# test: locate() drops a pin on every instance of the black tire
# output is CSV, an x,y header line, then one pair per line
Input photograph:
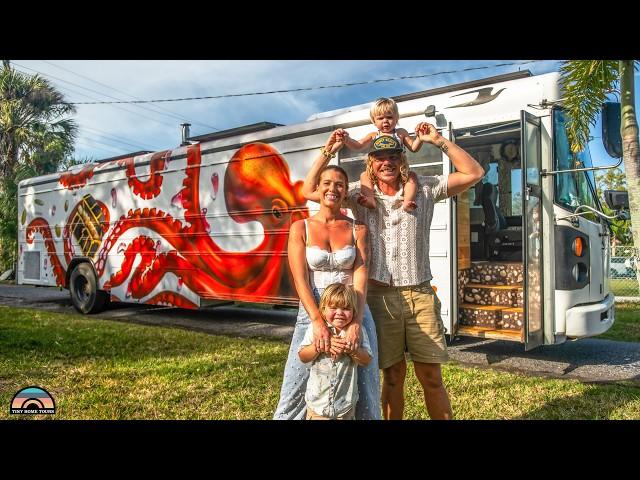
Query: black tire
x,y
83,286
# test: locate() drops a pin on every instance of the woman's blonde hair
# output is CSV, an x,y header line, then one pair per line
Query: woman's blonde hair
x,y
384,106
404,169
339,295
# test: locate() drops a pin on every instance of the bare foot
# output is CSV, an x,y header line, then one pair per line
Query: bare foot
x,y
409,206
365,201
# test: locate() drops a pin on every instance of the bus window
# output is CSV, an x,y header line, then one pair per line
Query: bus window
x,y
426,161
353,165
571,188
516,191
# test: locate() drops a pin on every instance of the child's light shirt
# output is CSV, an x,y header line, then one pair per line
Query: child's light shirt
x,y
332,388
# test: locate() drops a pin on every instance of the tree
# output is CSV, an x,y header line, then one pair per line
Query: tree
x,y
36,134
34,121
586,84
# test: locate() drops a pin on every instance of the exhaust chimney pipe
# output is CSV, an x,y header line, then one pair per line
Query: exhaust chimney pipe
x,y
185,134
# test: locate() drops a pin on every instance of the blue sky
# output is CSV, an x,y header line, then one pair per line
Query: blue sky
x,y
109,130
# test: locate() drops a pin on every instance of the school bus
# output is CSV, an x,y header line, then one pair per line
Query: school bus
x,y
522,256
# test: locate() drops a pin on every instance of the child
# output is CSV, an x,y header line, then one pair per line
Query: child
x,y
332,388
384,114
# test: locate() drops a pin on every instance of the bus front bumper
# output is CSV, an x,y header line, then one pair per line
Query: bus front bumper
x,y
592,319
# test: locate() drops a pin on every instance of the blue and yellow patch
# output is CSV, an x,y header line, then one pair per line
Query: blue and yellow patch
x,y
386,143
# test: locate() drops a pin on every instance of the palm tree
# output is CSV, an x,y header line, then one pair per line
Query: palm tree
x,y
33,120
35,135
586,84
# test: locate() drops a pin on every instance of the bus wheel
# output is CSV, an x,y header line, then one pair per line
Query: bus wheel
x,y
83,285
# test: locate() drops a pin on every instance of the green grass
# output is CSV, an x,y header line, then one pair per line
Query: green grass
x,y
99,369
626,327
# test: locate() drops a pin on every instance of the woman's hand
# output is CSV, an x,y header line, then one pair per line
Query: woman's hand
x,y
353,336
321,337
338,347
336,140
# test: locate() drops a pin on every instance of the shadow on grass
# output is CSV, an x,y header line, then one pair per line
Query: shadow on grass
x,y
33,337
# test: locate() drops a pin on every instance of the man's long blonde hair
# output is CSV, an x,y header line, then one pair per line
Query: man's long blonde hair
x,y
404,169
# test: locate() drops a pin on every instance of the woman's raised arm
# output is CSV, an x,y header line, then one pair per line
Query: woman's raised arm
x,y
334,143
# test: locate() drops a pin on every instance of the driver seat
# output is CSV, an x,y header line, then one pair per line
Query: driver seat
x,y
502,242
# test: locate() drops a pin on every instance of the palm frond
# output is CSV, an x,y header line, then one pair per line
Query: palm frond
x,y
586,84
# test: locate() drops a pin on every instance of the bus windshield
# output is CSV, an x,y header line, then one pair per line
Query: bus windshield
x,y
572,188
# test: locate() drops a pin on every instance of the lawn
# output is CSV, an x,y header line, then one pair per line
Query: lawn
x,y
99,369
626,327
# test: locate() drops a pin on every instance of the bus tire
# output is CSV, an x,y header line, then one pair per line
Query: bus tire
x,y
83,286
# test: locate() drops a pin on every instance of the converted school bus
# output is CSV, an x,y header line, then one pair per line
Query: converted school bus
x,y
208,221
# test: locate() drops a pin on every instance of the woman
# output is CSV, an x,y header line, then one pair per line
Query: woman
x,y
326,248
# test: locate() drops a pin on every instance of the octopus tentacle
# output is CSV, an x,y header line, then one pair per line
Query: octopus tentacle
x,y
171,298
141,245
146,278
40,225
156,220
72,181
150,188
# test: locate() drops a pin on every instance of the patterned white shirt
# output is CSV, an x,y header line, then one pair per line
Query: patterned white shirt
x,y
399,240
332,388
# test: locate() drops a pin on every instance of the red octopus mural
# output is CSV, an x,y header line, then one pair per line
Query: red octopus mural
x,y
257,187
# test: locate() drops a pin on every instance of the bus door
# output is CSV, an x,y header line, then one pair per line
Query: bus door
x,y
532,230
432,161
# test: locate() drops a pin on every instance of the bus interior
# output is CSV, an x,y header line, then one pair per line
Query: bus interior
x,y
490,269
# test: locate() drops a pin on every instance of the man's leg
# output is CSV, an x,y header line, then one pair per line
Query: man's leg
x,y
393,391
435,395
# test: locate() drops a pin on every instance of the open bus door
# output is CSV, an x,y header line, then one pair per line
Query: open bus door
x,y
532,230
442,234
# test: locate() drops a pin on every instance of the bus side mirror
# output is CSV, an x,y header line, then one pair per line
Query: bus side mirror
x,y
616,199
611,137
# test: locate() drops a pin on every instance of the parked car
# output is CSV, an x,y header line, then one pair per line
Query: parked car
x,y
617,267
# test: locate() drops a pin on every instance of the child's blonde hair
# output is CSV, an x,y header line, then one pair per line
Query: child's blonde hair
x,y
339,295
383,106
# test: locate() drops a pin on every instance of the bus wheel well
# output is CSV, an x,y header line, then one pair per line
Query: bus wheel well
x,y
86,297
74,263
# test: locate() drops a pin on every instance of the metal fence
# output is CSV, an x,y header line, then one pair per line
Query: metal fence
x,y
623,278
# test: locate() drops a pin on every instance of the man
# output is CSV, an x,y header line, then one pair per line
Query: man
x,y
404,306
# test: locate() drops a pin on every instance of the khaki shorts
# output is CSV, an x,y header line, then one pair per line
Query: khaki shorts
x,y
311,415
407,320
